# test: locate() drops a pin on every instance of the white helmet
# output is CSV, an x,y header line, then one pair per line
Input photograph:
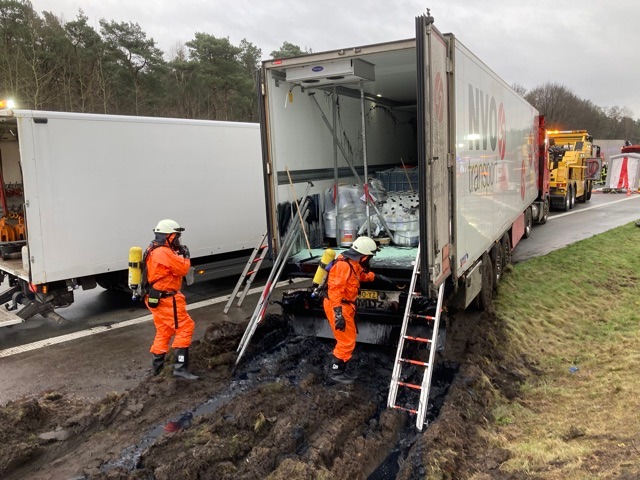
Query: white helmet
x,y
365,246
168,226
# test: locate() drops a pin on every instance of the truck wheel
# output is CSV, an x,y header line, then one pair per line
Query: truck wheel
x,y
506,247
583,198
497,260
573,197
567,201
483,300
528,223
589,190
545,212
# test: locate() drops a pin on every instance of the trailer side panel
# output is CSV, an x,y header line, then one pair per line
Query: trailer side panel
x,y
96,184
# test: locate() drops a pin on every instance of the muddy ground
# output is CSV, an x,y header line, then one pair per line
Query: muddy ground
x,y
276,416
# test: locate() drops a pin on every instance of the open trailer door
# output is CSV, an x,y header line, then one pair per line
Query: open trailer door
x,y
435,186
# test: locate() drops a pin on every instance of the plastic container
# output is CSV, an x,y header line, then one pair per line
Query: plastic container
x,y
397,179
400,219
345,197
409,238
348,232
329,223
402,224
357,195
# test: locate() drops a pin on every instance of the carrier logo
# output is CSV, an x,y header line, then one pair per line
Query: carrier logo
x,y
318,68
502,132
487,123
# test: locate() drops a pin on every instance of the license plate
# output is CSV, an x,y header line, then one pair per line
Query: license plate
x,y
368,295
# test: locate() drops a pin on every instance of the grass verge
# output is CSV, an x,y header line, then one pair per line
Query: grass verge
x,y
575,314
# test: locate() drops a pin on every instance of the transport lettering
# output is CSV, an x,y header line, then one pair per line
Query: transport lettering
x,y
482,176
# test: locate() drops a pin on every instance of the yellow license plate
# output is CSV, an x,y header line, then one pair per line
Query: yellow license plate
x,y
368,295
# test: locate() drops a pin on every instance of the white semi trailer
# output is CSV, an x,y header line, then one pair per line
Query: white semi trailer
x,y
338,117
81,189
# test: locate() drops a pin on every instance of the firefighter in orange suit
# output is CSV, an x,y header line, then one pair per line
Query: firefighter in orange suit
x,y
343,285
166,262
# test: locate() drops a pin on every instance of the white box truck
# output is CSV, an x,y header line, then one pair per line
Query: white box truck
x,y
81,189
336,118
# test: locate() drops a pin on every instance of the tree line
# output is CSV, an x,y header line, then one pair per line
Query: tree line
x,y
50,64
564,110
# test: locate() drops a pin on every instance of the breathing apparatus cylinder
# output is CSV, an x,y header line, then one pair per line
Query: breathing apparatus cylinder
x,y
135,270
321,274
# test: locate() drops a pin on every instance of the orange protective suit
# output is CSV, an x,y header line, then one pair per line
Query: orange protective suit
x,y
343,285
165,270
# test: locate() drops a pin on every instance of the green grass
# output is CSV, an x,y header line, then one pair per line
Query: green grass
x,y
575,307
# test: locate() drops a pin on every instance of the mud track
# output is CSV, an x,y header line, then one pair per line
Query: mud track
x,y
276,416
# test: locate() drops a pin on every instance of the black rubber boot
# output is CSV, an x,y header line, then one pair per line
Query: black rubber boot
x,y
339,372
157,363
181,367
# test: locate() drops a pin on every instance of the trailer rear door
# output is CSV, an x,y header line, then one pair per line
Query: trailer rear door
x,y
433,153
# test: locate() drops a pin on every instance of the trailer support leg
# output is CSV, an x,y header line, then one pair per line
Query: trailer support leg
x,y
13,298
34,307
9,293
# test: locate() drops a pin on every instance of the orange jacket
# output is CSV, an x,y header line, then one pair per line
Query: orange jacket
x,y
165,269
343,283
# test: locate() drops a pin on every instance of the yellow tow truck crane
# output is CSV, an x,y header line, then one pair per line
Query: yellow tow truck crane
x,y
568,154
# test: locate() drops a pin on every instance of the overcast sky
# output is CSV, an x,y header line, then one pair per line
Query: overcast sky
x,y
589,46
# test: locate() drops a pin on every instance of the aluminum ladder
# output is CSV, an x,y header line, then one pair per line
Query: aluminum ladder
x,y
291,237
406,338
255,260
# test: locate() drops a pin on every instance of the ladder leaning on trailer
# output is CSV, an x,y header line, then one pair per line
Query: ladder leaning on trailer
x,y
293,232
406,337
250,271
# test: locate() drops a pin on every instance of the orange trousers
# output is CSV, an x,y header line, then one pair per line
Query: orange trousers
x,y
171,319
345,341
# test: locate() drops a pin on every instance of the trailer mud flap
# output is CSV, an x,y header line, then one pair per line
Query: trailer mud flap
x,y
469,288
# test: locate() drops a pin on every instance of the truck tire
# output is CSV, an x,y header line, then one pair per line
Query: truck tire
x,y
483,300
567,201
497,261
545,212
583,198
573,196
589,190
528,223
113,281
506,247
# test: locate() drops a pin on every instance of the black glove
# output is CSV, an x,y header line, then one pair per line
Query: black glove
x,y
184,251
383,279
340,325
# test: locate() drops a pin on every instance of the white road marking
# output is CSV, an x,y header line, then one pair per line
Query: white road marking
x,y
595,206
127,323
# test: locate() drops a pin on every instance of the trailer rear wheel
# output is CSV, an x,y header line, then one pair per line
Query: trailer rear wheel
x,y
528,223
483,300
497,259
545,212
506,246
